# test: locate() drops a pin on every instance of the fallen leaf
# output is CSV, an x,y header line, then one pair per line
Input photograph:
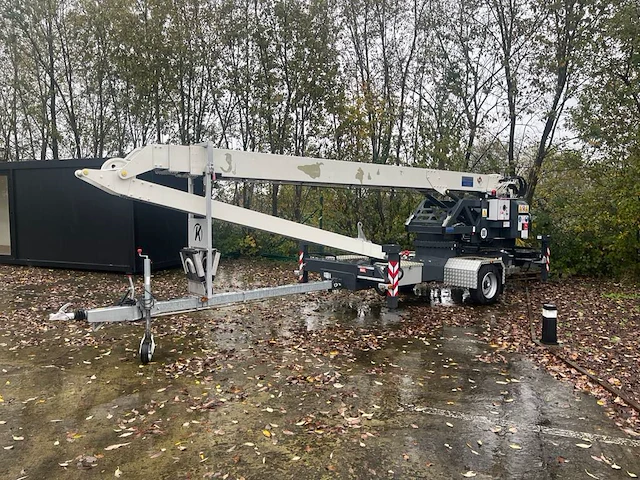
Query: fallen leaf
x,y
338,385
450,425
590,474
615,467
295,459
266,433
117,445
632,475
118,472
515,446
583,445
17,439
8,447
469,474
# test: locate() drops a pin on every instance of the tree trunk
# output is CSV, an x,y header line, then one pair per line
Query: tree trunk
x,y
547,133
55,151
274,199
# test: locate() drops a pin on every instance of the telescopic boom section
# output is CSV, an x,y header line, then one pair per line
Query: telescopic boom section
x,y
118,177
238,165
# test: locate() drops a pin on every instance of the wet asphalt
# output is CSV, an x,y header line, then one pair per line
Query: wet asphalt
x,y
271,390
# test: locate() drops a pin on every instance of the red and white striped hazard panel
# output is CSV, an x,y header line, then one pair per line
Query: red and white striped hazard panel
x,y
393,272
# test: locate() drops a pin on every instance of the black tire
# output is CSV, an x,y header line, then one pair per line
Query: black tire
x,y
145,349
489,285
457,295
380,291
406,289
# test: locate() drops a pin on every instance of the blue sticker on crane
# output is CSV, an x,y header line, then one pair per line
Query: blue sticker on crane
x,y
467,181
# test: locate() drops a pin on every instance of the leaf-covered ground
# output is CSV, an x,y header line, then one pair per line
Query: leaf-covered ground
x,y
598,329
328,383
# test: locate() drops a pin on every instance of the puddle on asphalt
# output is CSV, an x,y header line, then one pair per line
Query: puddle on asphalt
x,y
238,326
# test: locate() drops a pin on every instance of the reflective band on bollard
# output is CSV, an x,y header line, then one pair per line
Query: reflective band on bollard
x,y
549,324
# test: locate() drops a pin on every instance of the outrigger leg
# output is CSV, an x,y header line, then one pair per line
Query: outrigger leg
x,y
147,344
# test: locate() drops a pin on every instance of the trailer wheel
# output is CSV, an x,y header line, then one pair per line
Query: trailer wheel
x,y
145,352
147,347
489,283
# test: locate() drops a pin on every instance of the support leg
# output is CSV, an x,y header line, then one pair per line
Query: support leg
x,y
546,257
303,274
147,344
393,274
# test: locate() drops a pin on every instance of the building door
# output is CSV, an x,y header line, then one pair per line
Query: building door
x,y
5,219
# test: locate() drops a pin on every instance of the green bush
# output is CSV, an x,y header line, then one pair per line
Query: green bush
x,y
592,212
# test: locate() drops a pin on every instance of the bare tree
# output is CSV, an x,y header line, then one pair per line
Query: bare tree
x,y
562,45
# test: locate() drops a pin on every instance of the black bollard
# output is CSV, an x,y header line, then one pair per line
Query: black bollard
x,y
549,324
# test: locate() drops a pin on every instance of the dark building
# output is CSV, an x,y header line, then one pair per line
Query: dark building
x,y
50,218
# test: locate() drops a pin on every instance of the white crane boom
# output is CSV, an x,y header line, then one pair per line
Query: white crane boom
x,y
118,177
238,165
187,202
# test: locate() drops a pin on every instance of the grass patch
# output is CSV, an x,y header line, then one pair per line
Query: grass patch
x,y
621,296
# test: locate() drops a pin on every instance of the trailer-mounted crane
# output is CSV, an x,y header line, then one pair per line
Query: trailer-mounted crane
x,y
466,228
